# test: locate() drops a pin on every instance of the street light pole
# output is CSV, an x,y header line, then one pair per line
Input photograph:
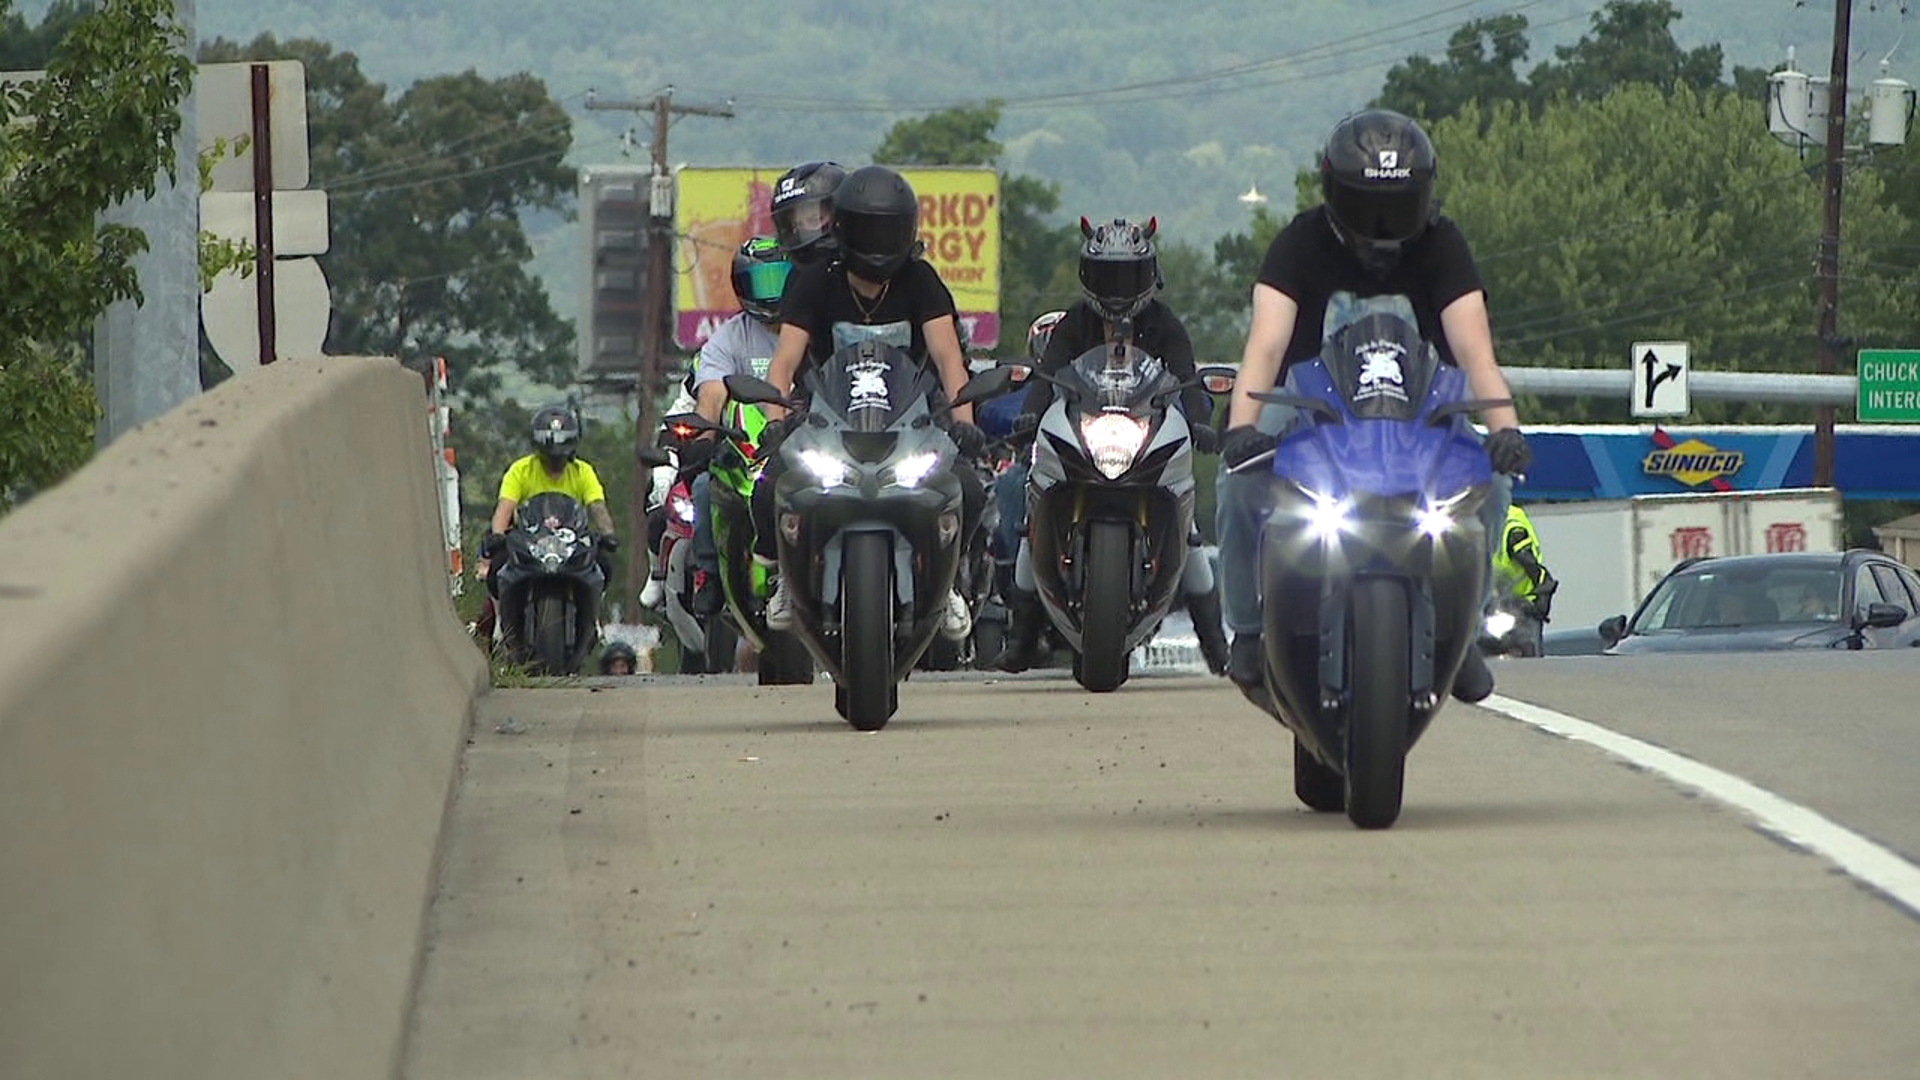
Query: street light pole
x,y
1833,178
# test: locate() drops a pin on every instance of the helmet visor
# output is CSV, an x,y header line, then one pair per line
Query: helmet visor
x,y
1117,282
800,222
767,281
1380,215
878,235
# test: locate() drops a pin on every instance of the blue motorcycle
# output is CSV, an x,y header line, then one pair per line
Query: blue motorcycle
x,y
1373,561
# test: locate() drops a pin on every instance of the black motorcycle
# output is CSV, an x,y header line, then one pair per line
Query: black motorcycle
x,y
549,585
868,517
1373,560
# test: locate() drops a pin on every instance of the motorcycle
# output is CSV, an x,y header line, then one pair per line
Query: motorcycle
x,y
731,474
1373,560
704,647
549,585
869,518
1110,504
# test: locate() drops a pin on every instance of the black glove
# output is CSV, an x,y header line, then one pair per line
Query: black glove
x,y
1206,438
1243,443
776,433
608,542
696,453
1024,425
967,438
1507,450
491,544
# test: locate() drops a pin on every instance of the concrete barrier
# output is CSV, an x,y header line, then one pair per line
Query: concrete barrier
x,y
232,697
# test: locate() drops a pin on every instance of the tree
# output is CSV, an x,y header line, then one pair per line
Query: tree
x,y
1644,216
1032,252
1632,42
1481,65
97,129
428,191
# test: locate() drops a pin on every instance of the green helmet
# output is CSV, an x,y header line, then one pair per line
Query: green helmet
x,y
760,270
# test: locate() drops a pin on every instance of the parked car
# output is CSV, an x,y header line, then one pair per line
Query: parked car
x,y
1747,603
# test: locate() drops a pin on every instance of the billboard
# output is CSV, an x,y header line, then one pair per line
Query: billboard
x,y
717,209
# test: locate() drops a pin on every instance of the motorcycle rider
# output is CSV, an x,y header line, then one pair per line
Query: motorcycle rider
x,y
1119,280
1377,233
1517,563
877,289
1010,487
619,658
554,465
661,486
743,345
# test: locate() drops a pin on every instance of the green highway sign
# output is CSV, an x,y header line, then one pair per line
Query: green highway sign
x,y
1890,386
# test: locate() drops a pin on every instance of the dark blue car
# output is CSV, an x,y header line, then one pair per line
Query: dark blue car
x,y
1749,603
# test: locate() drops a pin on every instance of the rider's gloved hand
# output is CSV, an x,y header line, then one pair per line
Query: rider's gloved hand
x,y
1507,450
491,544
1242,444
968,439
696,453
608,542
776,433
1024,426
1206,439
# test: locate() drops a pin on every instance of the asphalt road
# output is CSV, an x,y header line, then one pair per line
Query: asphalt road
x,y
685,878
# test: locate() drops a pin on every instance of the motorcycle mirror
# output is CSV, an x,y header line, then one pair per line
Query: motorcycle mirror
x,y
1300,401
990,383
652,457
1613,629
1443,413
1022,370
1218,378
755,391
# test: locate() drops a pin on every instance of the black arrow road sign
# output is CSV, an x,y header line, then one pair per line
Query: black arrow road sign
x,y
1654,378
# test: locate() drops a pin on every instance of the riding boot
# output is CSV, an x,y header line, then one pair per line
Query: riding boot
x,y
1475,679
1023,631
1204,610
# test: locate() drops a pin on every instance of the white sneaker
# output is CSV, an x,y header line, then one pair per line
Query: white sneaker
x,y
957,621
779,613
654,591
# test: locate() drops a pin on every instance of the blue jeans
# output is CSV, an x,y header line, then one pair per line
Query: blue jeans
x,y
706,553
1245,500
1010,494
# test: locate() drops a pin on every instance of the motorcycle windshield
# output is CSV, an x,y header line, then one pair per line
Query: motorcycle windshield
x,y
551,511
1113,377
871,386
1379,442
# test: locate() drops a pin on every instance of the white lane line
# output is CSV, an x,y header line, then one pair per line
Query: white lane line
x,y
1855,855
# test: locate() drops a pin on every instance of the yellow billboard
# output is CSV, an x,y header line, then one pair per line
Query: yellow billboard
x,y
717,209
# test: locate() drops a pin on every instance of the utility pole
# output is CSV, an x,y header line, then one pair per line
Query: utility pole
x,y
1828,329
657,303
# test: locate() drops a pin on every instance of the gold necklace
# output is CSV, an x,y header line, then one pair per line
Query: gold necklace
x,y
867,310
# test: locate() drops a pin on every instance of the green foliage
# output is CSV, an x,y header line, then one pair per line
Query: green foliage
x,y
218,256
47,414
428,193
97,129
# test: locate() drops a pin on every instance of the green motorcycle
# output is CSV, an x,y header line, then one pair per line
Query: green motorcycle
x,y
731,476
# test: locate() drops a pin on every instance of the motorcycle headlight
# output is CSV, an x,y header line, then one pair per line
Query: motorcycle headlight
x,y
1501,623
910,470
829,470
682,508
1435,519
1113,440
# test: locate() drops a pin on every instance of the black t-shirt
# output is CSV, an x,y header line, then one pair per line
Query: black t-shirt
x,y
1157,331
820,300
1308,263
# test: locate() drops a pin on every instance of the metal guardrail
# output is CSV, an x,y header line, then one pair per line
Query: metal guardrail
x,y
1764,387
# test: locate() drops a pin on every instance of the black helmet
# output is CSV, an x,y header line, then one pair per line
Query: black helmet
x,y
1041,332
618,650
876,220
1376,174
803,209
556,435
760,271
1119,269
